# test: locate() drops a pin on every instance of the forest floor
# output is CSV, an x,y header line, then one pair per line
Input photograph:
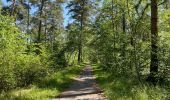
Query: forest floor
x,y
83,87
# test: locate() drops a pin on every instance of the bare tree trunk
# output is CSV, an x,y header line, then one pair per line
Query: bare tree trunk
x,y
28,20
45,29
80,36
114,37
13,8
40,22
154,42
123,43
80,44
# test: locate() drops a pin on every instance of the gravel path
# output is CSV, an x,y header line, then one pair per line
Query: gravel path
x,y
83,88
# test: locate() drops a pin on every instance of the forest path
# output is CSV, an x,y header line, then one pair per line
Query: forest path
x,y
83,87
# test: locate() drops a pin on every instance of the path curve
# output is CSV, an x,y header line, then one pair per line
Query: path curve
x,y
83,87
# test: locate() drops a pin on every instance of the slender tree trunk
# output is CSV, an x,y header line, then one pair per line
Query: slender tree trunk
x,y
154,42
45,29
80,44
112,15
118,36
123,43
28,20
40,21
114,35
13,8
79,53
80,36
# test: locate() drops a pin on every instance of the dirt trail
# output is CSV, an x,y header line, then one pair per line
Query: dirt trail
x,y
83,88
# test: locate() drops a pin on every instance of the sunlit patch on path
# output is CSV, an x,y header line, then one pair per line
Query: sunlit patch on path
x,y
83,88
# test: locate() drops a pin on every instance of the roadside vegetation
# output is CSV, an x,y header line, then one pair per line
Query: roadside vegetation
x,y
49,88
119,87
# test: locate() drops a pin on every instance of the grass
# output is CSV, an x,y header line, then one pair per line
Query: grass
x,y
117,87
48,89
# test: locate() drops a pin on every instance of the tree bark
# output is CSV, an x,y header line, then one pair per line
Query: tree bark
x,y
40,21
114,34
154,42
80,36
13,7
45,32
124,32
123,42
28,20
80,42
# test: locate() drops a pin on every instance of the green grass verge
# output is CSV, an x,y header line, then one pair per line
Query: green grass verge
x,y
48,89
117,87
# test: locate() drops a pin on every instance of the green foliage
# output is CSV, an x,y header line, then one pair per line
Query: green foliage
x,y
10,41
18,67
47,89
30,69
123,50
113,33
127,51
118,87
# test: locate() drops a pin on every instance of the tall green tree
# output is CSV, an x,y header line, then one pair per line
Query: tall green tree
x,y
80,11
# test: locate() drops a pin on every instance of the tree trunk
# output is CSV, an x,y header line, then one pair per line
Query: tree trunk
x,y
45,28
80,44
13,7
40,22
123,43
28,21
154,42
114,35
79,54
80,36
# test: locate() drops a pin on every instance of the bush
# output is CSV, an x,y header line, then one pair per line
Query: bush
x,y
29,70
7,80
18,65
9,39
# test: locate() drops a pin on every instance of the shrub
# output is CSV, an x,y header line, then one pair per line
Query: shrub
x,y
18,65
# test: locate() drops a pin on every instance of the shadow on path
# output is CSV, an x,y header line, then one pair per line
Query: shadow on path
x,y
83,88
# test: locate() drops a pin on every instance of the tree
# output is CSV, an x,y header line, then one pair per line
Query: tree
x,y
154,42
40,20
80,11
13,8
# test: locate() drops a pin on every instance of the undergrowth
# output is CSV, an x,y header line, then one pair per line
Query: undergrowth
x,y
117,87
48,89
